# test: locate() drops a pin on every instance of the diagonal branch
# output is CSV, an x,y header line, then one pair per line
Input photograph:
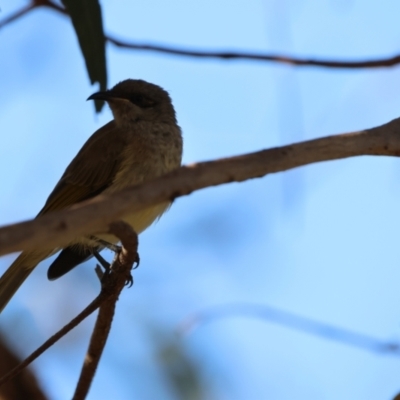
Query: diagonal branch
x,y
59,228
18,14
93,306
111,288
292,321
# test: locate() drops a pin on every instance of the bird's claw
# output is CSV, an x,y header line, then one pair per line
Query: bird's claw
x,y
136,261
104,263
129,281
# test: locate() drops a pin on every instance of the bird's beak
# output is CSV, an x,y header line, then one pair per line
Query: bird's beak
x,y
107,96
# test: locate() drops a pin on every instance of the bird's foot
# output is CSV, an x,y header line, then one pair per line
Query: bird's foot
x,y
110,246
102,263
136,262
129,281
107,266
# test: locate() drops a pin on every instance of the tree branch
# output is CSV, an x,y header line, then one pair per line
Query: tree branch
x,y
59,228
93,306
235,55
112,285
222,55
292,321
26,386
111,288
18,14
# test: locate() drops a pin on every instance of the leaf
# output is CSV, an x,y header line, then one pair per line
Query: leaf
x,y
88,24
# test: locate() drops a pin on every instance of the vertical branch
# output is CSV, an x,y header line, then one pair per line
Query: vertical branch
x,y
113,284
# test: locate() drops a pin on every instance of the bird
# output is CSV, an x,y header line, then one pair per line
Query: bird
x,y
141,143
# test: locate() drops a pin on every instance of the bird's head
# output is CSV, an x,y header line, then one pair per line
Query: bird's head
x,y
135,100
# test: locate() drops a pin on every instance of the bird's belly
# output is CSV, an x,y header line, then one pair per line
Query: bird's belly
x,y
139,221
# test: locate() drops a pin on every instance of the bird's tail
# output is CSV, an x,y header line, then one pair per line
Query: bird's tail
x,y
16,274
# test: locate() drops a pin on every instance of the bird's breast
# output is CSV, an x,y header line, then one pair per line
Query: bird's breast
x,y
146,157
149,153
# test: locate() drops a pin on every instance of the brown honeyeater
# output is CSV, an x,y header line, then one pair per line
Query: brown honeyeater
x,y
142,142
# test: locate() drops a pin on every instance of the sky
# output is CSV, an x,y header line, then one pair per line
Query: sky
x,y
319,241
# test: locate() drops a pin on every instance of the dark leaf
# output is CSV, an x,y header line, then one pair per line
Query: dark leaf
x,y
88,25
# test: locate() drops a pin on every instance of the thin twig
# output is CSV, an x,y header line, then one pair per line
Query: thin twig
x,y
293,321
93,306
113,284
13,17
235,55
130,240
111,288
222,55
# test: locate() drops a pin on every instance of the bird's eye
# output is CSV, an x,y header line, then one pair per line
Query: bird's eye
x,y
141,101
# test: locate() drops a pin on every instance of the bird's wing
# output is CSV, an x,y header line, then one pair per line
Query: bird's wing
x,y
91,171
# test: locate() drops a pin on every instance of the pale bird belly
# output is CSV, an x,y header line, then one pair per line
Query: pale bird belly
x,y
139,221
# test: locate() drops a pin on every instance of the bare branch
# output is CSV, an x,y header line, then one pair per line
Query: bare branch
x,y
13,17
25,386
222,55
293,321
235,55
93,306
112,285
58,228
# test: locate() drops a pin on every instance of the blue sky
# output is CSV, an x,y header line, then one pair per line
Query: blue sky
x,y
320,241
